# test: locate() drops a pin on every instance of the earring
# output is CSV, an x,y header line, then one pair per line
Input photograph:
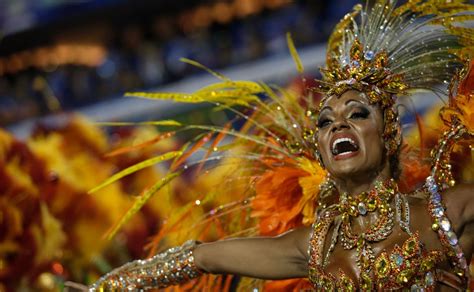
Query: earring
x,y
393,131
394,138
327,187
318,156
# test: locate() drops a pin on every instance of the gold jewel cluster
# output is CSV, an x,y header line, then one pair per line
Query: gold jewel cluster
x,y
379,231
368,201
409,264
365,72
172,267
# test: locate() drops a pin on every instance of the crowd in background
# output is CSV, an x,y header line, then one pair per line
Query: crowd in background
x,y
145,54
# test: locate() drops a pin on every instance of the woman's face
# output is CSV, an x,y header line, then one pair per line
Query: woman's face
x,y
350,135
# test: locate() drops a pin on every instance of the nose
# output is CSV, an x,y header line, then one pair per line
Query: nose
x,y
339,124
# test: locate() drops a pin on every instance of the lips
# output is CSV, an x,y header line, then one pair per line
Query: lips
x,y
344,145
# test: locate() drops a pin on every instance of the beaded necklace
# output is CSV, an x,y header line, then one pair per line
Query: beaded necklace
x,y
409,264
376,200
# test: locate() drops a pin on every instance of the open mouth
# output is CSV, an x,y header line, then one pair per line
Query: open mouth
x,y
344,147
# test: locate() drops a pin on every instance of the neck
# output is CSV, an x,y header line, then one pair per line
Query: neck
x,y
356,184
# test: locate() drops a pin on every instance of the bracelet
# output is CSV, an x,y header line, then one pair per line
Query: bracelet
x,y
172,267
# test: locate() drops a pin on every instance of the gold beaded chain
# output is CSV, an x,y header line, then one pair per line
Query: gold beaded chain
x,y
378,199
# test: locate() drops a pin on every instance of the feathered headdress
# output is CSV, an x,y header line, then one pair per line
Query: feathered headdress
x,y
385,51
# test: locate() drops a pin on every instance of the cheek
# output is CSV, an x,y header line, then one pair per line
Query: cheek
x,y
322,141
372,134
373,139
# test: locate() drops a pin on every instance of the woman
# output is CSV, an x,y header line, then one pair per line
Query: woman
x,y
367,235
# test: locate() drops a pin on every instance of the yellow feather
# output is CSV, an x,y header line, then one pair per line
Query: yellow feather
x,y
294,53
135,168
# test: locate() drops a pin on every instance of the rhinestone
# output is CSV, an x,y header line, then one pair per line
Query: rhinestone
x,y
452,238
430,180
352,211
445,224
397,259
382,266
355,64
459,252
371,204
438,211
171,265
361,208
178,276
415,288
410,247
404,276
429,279
174,249
463,263
436,197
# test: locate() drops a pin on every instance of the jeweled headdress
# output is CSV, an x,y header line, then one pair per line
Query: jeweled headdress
x,y
387,50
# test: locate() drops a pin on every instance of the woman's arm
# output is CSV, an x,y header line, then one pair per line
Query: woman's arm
x,y
280,257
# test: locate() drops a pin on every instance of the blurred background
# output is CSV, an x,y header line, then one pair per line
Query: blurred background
x,y
67,55
66,64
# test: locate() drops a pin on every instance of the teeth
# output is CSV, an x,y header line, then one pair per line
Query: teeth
x,y
339,140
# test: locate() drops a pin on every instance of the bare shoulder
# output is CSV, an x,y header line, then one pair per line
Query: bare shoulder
x,y
460,202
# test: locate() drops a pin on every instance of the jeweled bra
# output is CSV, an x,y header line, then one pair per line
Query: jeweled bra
x,y
407,266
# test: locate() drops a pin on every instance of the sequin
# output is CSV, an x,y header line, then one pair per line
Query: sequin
x,y
452,238
445,224
362,208
438,211
429,279
397,259
369,55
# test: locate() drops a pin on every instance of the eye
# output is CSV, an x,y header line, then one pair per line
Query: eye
x,y
361,113
323,122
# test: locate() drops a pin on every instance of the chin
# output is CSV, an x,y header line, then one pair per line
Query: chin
x,y
346,171
350,166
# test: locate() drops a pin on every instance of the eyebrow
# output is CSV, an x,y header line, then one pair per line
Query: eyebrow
x,y
353,100
326,107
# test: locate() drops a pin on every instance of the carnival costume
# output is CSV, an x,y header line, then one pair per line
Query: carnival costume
x,y
382,50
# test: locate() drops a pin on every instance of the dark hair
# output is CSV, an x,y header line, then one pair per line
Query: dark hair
x,y
394,163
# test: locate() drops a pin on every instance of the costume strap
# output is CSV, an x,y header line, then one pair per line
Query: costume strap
x,y
172,267
440,179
